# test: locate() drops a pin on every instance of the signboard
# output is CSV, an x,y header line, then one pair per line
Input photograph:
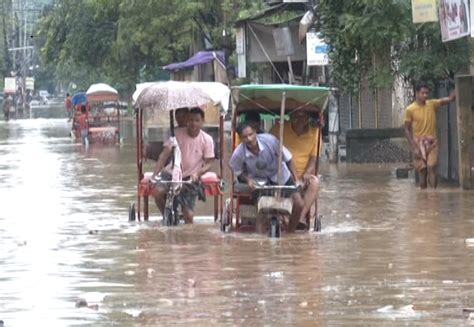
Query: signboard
x,y
239,41
454,19
472,18
10,85
30,83
424,11
316,50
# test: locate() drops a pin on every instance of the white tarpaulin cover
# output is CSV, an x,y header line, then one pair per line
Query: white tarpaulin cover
x,y
101,92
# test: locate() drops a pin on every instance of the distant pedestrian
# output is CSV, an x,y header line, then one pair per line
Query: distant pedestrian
x,y
420,129
69,106
84,126
7,104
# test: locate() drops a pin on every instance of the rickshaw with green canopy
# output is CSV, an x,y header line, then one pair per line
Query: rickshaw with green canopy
x,y
274,103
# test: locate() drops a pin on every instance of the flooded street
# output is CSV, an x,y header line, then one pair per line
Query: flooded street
x,y
388,255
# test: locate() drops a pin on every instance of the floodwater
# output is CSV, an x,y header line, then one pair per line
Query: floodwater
x,y
388,255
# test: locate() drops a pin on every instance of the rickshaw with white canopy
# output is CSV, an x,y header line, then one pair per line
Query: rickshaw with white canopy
x,y
155,110
104,123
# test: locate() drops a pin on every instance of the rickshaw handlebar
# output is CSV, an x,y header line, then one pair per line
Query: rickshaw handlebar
x,y
277,187
160,181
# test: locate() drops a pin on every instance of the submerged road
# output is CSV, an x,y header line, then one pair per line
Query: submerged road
x,y
388,255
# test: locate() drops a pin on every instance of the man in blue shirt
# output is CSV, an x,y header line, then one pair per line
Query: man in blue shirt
x,y
256,158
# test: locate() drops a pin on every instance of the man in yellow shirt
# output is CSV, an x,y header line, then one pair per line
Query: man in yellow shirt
x,y
420,129
302,141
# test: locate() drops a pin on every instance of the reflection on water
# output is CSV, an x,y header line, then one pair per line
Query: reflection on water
x,y
388,254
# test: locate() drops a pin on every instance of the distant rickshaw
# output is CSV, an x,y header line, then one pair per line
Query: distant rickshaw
x,y
155,110
104,123
275,102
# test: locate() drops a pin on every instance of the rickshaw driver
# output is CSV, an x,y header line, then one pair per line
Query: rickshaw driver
x,y
256,158
302,141
253,119
197,151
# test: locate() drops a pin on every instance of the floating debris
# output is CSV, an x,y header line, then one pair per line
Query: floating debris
x,y
133,312
81,303
93,307
150,272
468,313
275,274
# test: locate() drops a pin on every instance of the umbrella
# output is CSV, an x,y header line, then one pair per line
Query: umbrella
x,y
172,95
139,88
79,98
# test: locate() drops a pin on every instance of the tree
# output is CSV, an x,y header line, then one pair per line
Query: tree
x,y
5,6
376,38
121,41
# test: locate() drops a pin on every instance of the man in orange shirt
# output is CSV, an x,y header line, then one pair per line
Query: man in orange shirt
x,y
84,126
420,129
302,141
69,106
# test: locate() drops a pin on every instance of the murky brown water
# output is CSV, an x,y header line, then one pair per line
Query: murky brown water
x,y
388,254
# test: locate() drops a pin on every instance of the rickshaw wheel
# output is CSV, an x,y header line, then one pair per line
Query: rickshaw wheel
x,y
225,218
317,223
175,218
131,212
275,227
168,217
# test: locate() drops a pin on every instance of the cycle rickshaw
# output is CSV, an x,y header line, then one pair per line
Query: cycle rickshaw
x,y
104,123
275,102
155,111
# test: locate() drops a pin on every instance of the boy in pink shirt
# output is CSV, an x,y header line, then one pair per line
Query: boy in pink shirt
x,y
197,153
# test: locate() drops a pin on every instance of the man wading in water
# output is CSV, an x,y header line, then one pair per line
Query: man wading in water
x,y
420,128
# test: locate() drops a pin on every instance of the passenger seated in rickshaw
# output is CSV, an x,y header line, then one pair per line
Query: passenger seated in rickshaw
x,y
302,141
152,150
181,117
256,159
197,152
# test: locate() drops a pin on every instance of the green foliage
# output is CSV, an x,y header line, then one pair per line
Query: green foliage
x,y
125,41
425,57
377,39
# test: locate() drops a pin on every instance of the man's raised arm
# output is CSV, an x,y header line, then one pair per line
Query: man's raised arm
x,y
448,99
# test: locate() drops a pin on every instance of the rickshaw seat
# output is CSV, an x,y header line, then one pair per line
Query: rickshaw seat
x,y
241,188
212,184
210,181
145,188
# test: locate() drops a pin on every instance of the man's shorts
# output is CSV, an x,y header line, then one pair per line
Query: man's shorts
x,y
187,195
431,159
